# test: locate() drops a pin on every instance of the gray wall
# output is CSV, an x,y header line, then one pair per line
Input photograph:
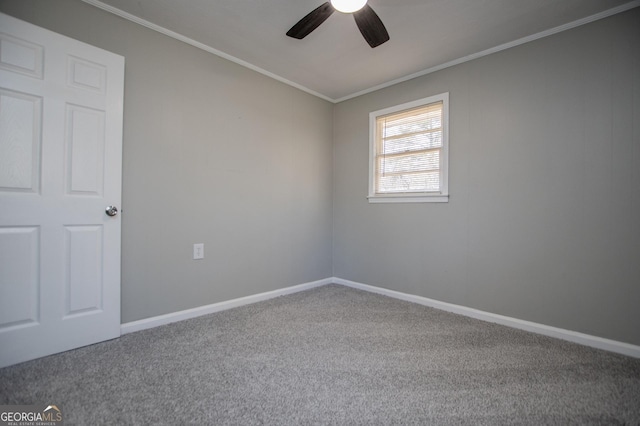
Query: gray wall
x,y
213,153
543,222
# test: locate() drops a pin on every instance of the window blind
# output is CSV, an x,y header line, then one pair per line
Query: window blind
x,y
408,154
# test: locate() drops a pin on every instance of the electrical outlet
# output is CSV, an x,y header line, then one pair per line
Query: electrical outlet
x,y
198,251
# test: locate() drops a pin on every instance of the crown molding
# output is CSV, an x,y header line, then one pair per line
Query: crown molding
x,y
505,46
604,14
206,48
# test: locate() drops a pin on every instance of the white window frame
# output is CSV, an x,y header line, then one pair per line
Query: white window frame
x,y
441,196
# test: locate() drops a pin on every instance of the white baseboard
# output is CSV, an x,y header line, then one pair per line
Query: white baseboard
x,y
157,321
571,336
559,333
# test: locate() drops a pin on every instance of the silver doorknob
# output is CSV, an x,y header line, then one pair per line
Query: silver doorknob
x,y
111,211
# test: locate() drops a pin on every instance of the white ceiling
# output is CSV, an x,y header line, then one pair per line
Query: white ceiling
x,y
334,62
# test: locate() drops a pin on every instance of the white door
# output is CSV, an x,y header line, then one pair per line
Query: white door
x,y
61,105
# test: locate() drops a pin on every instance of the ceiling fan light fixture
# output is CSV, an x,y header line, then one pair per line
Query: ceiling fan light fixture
x,y
348,6
368,22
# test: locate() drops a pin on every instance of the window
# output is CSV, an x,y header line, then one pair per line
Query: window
x,y
408,152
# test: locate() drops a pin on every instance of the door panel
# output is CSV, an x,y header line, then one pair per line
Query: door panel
x,y
21,56
20,133
60,166
19,249
83,269
85,150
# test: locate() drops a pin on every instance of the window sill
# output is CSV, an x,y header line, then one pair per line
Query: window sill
x,y
406,198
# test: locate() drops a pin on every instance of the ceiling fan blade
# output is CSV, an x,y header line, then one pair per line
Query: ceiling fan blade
x,y
310,22
371,26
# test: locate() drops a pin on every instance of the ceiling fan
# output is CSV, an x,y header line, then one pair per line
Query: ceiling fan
x,y
367,20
